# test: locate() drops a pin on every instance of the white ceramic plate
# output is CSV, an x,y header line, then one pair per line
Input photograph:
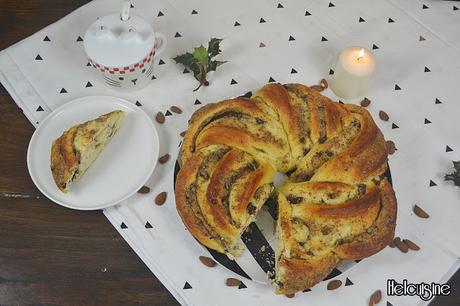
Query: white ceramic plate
x,y
120,170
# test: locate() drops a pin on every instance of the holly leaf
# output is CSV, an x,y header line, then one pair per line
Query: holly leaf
x,y
213,47
214,64
201,55
185,59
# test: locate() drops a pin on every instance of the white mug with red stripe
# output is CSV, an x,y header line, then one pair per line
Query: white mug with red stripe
x,y
121,47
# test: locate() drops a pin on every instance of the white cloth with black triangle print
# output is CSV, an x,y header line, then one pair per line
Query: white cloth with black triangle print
x,y
417,47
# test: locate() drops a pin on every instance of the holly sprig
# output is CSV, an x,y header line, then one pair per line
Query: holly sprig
x,y
201,61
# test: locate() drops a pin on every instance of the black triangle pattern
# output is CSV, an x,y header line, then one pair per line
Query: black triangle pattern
x,y
394,126
88,65
293,71
186,70
291,38
427,121
361,19
194,12
390,20
262,20
389,304
432,184
237,24
424,7
348,282
168,113
153,77
331,4
148,225
187,286
421,38
177,35
271,80
455,8
63,90
448,149
242,286
46,38
233,82
38,58
132,6
331,72
138,103
427,69
79,38
307,13
375,47
39,109
123,225
397,87
161,62
88,85
197,102
323,38
160,13
280,5
437,101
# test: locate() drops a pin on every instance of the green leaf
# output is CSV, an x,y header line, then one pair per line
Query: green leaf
x,y
185,59
213,46
214,64
201,55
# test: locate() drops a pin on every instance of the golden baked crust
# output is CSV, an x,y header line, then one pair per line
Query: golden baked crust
x,y
336,203
77,148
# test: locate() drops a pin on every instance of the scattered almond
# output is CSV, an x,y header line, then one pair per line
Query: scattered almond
x,y
164,158
290,295
420,212
391,147
411,245
160,118
317,87
375,298
160,198
334,284
384,116
365,102
400,245
144,189
207,261
176,109
232,282
391,244
323,83
183,133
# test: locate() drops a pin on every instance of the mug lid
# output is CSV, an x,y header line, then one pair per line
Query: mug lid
x,y
113,42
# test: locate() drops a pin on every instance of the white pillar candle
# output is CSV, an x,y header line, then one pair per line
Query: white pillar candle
x,y
352,73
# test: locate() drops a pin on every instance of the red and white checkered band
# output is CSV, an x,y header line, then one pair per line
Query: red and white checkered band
x,y
122,70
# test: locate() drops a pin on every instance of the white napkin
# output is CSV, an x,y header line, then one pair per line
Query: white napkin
x,y
49,69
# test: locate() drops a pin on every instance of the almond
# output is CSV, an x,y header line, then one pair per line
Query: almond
x,y
164,158
183,133
420,212
334,284
365,102
400,245
144,189
391,147
317,87
384,116
160,198
207,261
160,118
176,109
290,295
411,245
323,83
375,298
391,244
232,282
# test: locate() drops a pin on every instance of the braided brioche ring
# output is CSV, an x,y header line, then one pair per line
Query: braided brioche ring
x,y
336,203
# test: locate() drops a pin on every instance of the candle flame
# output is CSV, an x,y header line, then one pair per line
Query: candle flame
x,y
360,55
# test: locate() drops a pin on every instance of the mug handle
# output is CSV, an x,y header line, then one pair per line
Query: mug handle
x,y
160,43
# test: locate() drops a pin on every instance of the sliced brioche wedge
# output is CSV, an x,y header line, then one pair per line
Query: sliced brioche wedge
x,y
78,147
